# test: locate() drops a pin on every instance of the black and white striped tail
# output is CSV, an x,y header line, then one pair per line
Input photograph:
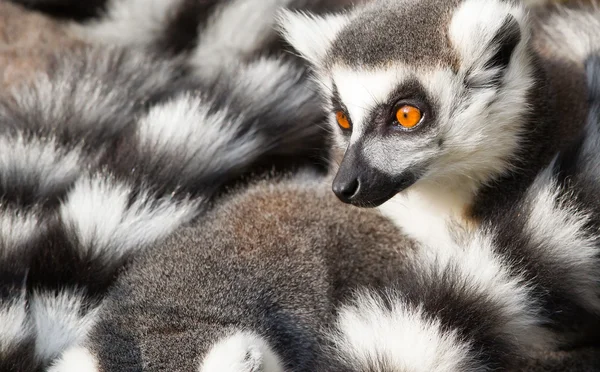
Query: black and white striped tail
x,y
105,157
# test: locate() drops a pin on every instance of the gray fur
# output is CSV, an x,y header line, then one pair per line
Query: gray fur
x,y
274,259
391,31
118,149
116,266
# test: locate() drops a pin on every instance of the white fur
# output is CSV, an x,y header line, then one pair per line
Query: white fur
x,y
129,22
424,210
311,35
80,95
572,33
486,272
103,225
77,359
408,339
362,90
14,326
480,142
42,162
241,352
403,338
202,141
475,23
480,130
58,322
16,228
236,31
558,228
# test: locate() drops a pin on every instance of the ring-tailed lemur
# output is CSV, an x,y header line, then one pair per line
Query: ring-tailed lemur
x,y
448,109
261,290
262,283
444,109
488,316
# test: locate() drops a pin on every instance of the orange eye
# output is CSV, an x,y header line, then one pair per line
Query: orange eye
x,y
342,120
408,116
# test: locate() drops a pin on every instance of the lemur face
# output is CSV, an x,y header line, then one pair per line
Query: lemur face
x,y
419,90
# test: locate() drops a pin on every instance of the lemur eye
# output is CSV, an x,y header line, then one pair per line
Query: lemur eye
x,y
408,116
342,120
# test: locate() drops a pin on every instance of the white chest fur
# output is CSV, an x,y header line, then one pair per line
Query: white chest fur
x,y
423,212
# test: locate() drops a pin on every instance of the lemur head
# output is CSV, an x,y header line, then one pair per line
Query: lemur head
x,y
419,91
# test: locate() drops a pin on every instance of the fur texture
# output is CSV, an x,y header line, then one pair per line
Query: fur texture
x,y
497,221
112,159
519,275
111,260
270,264
491,107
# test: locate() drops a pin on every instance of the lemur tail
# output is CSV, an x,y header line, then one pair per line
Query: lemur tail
x,y
213,35
570,31
102,159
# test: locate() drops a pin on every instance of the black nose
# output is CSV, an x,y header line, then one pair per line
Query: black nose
x,y
346,190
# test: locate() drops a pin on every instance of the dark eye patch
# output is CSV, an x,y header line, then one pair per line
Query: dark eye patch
x,y
383,116
338,106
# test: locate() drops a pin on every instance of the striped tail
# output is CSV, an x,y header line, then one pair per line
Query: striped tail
x,y
104,158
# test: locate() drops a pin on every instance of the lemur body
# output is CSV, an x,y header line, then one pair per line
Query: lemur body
x,y
493,110
250,287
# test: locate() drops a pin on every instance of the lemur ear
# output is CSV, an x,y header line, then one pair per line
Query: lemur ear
x,y
311,35
486,36
504,43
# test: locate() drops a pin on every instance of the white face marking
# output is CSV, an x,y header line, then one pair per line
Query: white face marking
x,y
360,91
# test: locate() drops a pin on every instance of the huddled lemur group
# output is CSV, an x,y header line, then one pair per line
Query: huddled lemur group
x,y
142,227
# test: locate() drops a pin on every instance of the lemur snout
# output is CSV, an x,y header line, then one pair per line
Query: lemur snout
x,y
346,189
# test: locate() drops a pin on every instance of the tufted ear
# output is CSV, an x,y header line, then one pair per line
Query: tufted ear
x,y
309,34
487,36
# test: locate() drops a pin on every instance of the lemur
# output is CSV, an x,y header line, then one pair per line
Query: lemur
x,y
262,282
121,182
444,109
280,277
